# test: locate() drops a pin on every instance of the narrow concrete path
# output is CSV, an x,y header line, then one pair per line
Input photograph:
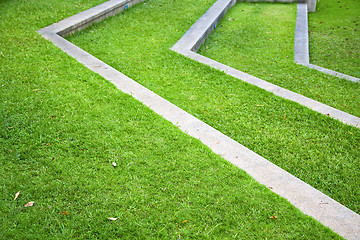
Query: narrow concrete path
x,y
301,47
309,200
196,35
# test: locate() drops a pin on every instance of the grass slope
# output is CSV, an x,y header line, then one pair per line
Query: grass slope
x,y
317,149
334,36
61,127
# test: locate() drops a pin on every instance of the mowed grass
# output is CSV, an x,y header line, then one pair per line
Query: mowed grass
x,y
258,38
319,150
62,126
334,31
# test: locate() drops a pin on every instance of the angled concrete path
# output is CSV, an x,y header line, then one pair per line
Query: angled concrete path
x,y
301,47
196,35
309,200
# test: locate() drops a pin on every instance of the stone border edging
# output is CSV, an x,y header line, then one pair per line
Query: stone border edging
x,y
86,18
309,200
301,47
196,35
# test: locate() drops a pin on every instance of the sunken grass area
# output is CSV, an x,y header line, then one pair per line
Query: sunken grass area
x,y
335,36
62,126
319,150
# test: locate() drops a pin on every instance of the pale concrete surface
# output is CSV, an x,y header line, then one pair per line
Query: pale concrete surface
x,y
202,28
301,48
309,200
88,17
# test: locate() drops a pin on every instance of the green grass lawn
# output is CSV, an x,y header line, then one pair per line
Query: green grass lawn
x,y
258,38
317,149
62,126
334,32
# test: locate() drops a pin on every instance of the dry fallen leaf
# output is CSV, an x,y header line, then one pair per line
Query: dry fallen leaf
x,y
185,221
65,213
259,105
16,195
273,217
29,204
35,90
112,219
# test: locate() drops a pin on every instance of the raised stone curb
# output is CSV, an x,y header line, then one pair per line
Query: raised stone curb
x,y
301,47
86,18
309,200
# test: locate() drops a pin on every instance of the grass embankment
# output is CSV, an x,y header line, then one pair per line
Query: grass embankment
x,y
334,31
62,126
319,150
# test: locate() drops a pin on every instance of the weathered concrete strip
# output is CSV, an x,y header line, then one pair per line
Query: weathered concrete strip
x,y
301,47
84,19
195,37
334,73
303,196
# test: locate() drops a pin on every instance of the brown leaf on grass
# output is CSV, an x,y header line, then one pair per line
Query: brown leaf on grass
x,y
16,195
284,117
65,213
35,90
273,217
185,221
29,204
259,105
112,219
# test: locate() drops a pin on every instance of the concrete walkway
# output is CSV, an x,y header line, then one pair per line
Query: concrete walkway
x,y
306,198
196,35
301,47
